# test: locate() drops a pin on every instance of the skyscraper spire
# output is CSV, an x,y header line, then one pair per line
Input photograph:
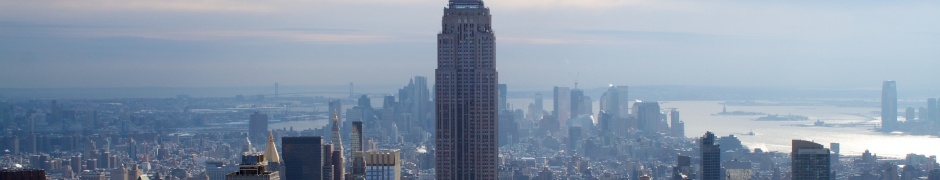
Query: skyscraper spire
x,y
270,152
337,139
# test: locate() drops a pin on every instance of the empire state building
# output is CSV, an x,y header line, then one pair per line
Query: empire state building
x,y
466,93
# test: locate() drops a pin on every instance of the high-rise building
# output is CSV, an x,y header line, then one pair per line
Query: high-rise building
x,y
466,94
561,104
648,116
336,110
355,139
809,161
577,103
258,127
711,157
683,169
677,126
933,112
889,106
302,157
503,90
610,102
382,165
574,140
253,167
215,170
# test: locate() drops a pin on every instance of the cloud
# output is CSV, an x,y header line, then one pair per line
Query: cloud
x,y
140,5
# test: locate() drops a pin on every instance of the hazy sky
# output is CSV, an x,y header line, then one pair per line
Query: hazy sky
x,y
540,43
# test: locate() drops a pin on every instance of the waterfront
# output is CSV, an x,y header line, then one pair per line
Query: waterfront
x,y
853,127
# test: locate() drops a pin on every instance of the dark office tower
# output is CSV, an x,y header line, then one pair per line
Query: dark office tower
x,y
648,116
810,161
132,150
561,104
328,167
577,103
711,157
23,174
933,111
302,157
355,139
502,97
466,93
610,101
889,106
339,165
258,127
683,169
934,174
574,140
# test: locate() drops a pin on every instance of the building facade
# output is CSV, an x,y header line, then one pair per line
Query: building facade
x,y
810,161
889,106
302,157
711,157
466,94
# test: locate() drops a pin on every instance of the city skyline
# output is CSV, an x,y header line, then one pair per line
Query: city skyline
x,y
825,45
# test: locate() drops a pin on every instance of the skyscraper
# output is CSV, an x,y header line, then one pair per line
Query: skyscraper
x,y
711,157
809,160
648,116
933,112
355,139
336,109
889,106
258,127
466,93
503,90
562,104
302,157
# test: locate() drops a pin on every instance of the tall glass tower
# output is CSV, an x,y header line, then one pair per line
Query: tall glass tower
x,y
889,106
466,93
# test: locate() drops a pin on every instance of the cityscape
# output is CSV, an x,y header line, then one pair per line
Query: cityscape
x,y
466,122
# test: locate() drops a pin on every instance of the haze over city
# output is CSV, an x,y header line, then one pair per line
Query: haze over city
x,y
208,43
469,90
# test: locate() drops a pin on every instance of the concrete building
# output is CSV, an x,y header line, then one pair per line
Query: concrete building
x,y
466,94
562,104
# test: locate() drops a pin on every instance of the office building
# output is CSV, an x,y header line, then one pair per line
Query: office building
x,y
809,161
683,169
466,94
258,127
889,106
648,116
24,174
561,105
355,139
253,167
578,105
933,112
382,165
215,170
711,157
503,104
738,170
302,157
